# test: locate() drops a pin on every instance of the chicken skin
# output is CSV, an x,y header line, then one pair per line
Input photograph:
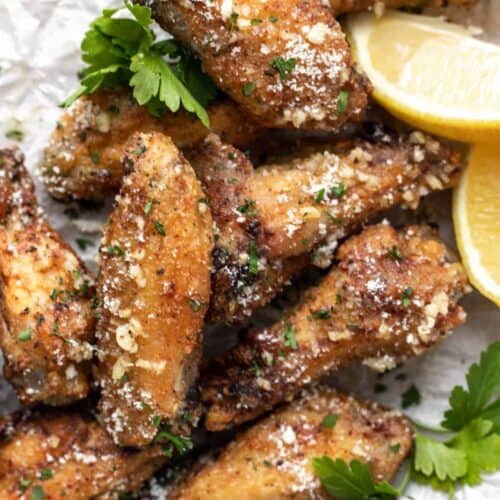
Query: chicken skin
x,y
287,64
82,160
392,295
154,289
45,297
273,459
61,455
268,220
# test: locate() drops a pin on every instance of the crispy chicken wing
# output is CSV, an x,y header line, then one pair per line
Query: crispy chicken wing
x,y
267,220
45,295
286,63
343,6
82,160
154,287
393,295
67,455
273,459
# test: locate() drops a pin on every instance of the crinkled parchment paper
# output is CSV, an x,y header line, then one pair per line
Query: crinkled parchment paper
x,y
39,57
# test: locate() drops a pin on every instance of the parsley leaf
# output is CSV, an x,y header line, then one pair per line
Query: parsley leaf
x,y
283,66
121,51
483,383
329,421
289,336
350,481
434,457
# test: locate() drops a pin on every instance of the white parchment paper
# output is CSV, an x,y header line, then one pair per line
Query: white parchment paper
x,y
39,57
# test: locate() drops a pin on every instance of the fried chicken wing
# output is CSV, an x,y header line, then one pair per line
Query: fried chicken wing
x,y
343,6
267,220
286,63
154,287
273,459
82,160
392,295
67,455
47,319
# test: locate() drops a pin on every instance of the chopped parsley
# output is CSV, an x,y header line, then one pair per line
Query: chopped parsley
x,y
406,297
46,474
255,21
342,101
395,254
289,336
283,66
83,243
410,397
320,195
232,25
339,190
249,208
195,305
321,314
149,206
159,228
248,89
14,134
253,258
24,484
172,442
273,19
24,335
115,250
37,493
94,155
329,421
395,448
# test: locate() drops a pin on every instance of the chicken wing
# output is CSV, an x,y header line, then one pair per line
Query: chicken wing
x,y
268,219
82,160
45,295
273,459
154,289
343,6
67,455
393,295
286,63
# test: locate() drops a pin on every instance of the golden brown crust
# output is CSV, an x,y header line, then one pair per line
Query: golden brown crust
x,y
343,6
273,459
393,295
154,287
268,220
45,295
286,63
82,160
77,454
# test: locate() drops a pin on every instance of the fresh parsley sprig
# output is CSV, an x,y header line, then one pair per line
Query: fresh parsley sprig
x,y
123,51
474,418
473,448
351,481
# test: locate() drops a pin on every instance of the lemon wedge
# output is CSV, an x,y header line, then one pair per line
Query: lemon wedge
x,y
430,73
476,218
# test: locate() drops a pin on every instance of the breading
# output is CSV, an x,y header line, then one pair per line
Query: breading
x,y
343,6
273,459
286,63
45,295
267,220
67,455
82,160
392,295
154,289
